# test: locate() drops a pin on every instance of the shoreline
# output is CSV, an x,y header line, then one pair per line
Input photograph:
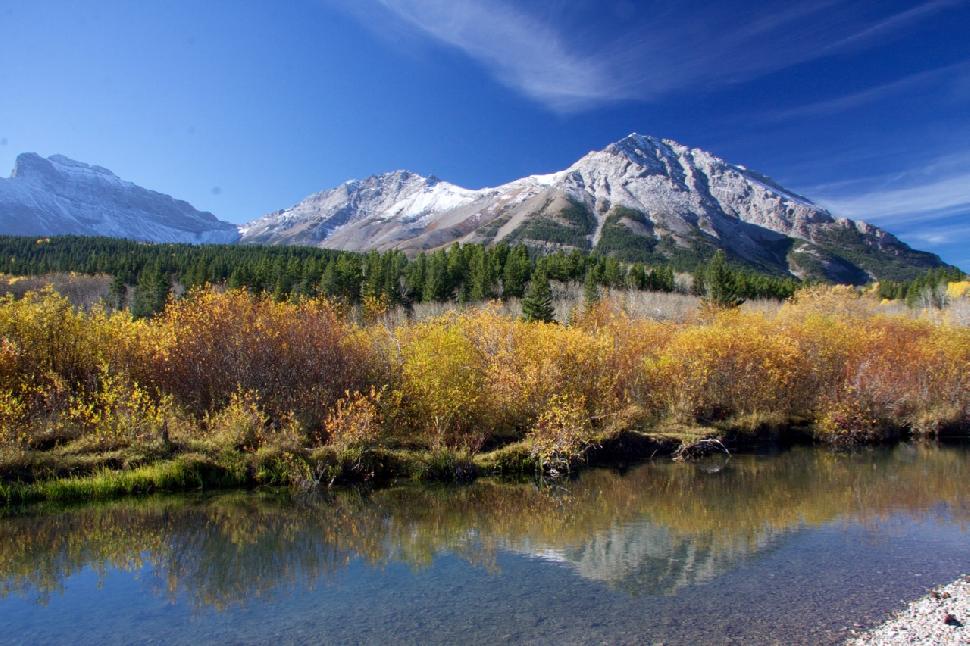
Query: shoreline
x,y
181,472
41,478
923,621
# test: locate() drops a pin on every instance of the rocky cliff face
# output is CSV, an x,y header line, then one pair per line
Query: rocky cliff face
x,y
640,198
59,196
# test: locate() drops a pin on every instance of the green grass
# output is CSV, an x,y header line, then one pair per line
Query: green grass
x,y
185,473
197,470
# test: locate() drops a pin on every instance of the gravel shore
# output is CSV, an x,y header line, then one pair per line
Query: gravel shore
x,y
941,617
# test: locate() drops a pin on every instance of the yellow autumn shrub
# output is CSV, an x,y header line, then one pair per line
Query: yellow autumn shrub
x,y
241,425
52,358
739,363
118,413
526,364
355,421
630,341
958,289
941,387
443,382
561,434
296,358
244,372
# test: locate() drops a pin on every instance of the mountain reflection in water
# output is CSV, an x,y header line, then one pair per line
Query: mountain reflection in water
x,y
653,530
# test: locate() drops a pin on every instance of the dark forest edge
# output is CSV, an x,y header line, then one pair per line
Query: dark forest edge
x,y
461,273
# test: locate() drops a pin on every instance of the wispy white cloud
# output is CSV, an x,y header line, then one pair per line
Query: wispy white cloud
x,y
943,234
582,55
927,205
956,74
520,50
930,200
892,24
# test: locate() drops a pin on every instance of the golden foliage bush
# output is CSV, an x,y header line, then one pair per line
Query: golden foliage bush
x,y
355,421
297,357
526,364
443,382
241,425
562,433
118,414
246,372
473,376
850,418
737,364
958,289
53,358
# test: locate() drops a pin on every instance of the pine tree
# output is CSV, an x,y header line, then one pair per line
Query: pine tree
x,y
719,287
613,273
118,294
436,278
151,293
591,291
664,278
515,274
537,303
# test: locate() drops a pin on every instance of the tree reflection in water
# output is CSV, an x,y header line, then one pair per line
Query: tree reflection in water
x,y
652,530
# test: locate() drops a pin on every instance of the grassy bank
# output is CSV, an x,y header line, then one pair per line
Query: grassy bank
x,y
45,477
51,477
231,389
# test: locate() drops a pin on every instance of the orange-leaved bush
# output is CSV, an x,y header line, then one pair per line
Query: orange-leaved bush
x,y
297,358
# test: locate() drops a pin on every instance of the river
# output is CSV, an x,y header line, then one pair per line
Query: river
x,y
792,547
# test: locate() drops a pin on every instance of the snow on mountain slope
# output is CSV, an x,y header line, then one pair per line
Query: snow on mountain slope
x,y
640,198
60,196
409,200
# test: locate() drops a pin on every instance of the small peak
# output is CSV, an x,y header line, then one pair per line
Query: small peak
x,y
635,141
61,160
638,137
399,175
31,165
638,148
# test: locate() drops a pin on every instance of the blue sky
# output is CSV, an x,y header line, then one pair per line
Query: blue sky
x,y
243,107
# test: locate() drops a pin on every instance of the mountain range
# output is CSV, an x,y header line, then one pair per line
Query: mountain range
x,y
639,199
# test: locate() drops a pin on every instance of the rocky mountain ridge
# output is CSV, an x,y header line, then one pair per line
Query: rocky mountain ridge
x,y
640,198
60,196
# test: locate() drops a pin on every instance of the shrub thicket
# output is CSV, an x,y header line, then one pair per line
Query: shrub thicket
x,y
247,373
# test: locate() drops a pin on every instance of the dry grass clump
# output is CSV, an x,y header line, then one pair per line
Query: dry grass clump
x,y
82,290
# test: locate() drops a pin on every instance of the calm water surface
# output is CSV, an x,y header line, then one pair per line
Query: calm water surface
x,y
790,548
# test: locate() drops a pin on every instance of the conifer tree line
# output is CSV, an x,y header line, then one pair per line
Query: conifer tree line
x,y
926,290
462,273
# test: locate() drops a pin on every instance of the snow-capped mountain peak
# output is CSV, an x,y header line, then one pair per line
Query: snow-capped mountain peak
x,y
407,199
642,198
58,195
